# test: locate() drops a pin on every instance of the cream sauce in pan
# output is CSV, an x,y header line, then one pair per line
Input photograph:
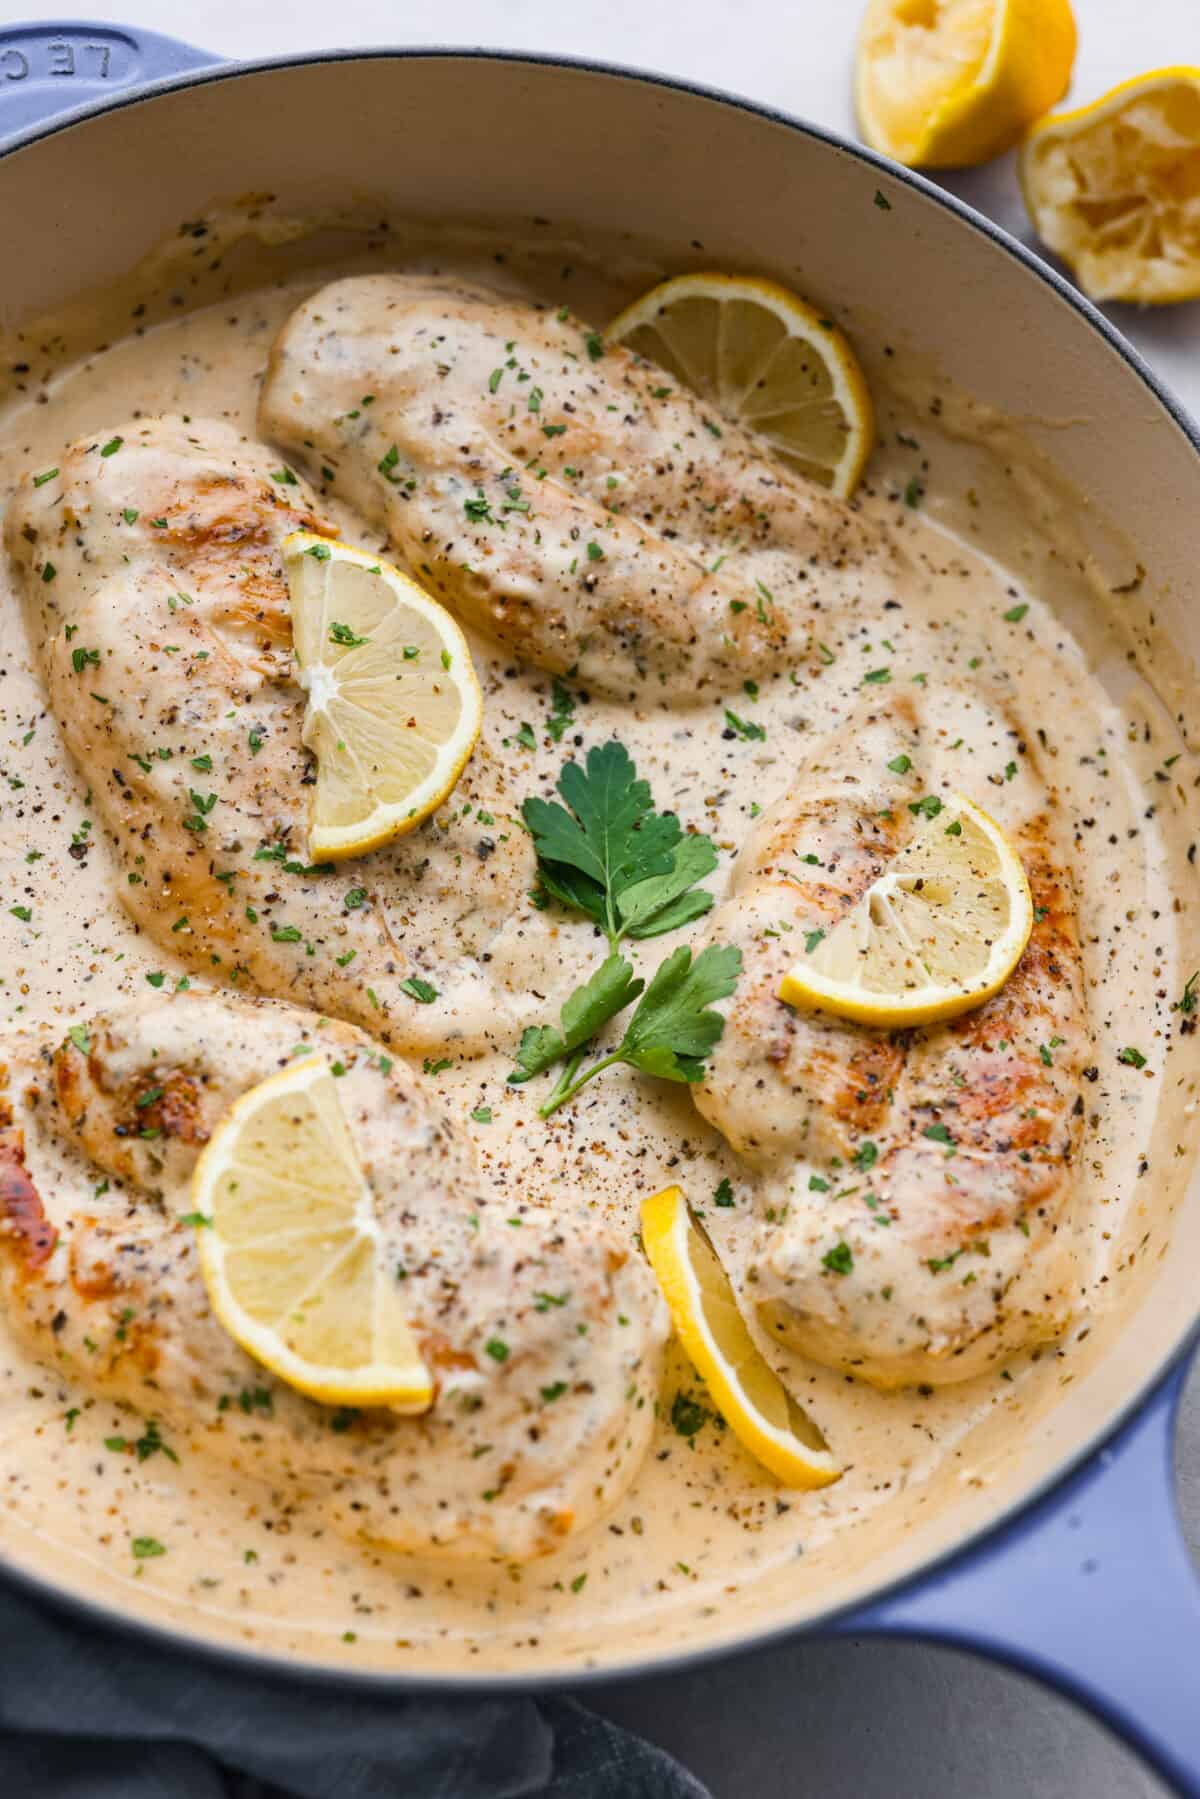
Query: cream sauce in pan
x,y
257,1565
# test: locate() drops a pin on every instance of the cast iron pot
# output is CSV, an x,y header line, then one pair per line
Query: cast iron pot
x,y
1071,1565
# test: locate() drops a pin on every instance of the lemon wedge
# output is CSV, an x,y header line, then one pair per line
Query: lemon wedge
x,y
938,933
290,1247
950,83
746,1391
394,705
1114,189
764,358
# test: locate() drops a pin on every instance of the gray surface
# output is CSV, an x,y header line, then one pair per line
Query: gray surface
x,y
859,1720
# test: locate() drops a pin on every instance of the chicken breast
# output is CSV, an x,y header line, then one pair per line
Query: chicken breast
x,y
913,1214
159,612
563,496
101,1280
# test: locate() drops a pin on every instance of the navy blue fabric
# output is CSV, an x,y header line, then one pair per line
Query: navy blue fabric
x,y
88,1715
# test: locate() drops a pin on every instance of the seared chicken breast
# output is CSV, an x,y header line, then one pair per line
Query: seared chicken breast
x,y
159,612
562,495
914,1204
101,1281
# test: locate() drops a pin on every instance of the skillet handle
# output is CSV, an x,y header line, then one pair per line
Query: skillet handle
x,y
1092,1590
52,69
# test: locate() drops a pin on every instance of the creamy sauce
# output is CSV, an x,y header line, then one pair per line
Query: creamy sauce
x,y
258,1566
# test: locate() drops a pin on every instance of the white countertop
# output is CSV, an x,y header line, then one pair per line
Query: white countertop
x,y
847,1720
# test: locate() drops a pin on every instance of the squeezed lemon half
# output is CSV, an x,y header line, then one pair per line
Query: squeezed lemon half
x,y
939,932
746,1391
1114,189
765,358
291,1251
394,704
950,83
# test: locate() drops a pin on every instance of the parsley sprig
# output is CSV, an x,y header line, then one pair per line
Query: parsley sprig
x,y
609,854
633,870
669,1036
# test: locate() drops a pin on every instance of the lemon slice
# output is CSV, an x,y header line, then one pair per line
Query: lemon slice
x,y
747,1392
394,706
949,83
765,358
291,1251
938,933
1114,189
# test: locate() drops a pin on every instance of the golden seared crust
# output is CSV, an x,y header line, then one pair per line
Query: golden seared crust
x,y
26,1235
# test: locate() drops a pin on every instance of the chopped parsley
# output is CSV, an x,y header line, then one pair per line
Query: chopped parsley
x,y
929,806
688,1416
562,711
339,633
745,728
420,990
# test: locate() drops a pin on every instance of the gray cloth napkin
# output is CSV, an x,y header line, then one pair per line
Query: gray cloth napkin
x,y
88,1715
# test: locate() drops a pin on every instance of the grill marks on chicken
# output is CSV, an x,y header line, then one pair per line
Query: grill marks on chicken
x,y
560,495
914,1220
106,1287
159,611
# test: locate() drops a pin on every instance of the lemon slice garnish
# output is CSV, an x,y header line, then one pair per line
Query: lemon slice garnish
x,y
745,1390
764,358
949,83
291,1250
394,706
1114,189
939,932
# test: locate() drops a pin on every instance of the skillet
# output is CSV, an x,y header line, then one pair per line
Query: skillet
x,y
1070,1564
